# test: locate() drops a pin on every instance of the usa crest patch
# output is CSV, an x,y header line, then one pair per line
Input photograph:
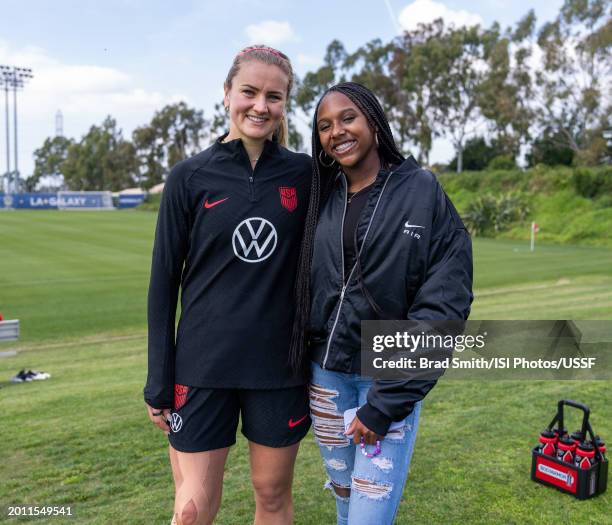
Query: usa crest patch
x,y
288,197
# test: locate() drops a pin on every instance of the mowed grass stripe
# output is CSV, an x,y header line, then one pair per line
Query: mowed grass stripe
x,y
547,291
551,297
582,311
560,302
499,262
74,280
107,338
48,227
554,301
563,283
64,244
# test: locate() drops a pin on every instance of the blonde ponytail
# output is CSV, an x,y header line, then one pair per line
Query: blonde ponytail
x,y
282,132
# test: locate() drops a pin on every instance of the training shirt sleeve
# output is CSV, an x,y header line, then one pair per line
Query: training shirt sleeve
x,y
445,294
169,253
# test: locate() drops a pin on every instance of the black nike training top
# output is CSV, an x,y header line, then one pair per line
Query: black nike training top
x,y
229,237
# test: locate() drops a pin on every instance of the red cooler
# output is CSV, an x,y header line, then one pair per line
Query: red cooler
x,y
582,483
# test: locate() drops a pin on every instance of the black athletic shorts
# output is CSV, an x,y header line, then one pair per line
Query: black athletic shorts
x,y
207,418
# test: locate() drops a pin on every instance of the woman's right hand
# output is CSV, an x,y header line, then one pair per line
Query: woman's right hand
x,y
159,416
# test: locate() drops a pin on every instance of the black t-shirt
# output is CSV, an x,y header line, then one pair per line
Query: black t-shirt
x,y
354,205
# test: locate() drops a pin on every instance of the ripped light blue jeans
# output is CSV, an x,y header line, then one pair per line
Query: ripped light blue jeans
x,y
376,484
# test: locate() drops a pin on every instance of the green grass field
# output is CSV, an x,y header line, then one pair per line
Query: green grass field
x,y
78,281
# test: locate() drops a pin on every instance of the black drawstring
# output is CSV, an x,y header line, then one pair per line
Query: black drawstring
x,y
366,293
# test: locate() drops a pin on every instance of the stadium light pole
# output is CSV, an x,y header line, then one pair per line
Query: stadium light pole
x,y
20,76
4,79
14,77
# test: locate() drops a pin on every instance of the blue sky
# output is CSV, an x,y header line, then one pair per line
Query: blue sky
x,y
128,58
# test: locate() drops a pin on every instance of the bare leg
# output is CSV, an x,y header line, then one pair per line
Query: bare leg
x,y
198,482
272,477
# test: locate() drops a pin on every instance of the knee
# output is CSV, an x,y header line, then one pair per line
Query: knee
x,y
192,513
272,497
188,514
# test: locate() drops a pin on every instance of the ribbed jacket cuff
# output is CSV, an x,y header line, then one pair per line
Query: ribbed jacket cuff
x,y
159,401
374,419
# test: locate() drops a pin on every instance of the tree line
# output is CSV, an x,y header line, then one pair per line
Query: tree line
x,y
491,92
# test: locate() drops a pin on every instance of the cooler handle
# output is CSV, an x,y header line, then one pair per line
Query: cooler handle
x,y
580,406
586,427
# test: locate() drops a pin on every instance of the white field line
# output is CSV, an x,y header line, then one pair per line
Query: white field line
x,y
94,340
72,280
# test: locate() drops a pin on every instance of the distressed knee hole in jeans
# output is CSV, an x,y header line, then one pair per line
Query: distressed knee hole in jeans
x,y
336,464
371,489
397,433
328,424
339,491
384,464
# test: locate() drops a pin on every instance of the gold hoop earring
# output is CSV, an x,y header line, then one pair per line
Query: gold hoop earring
x,y
227,109
322,152
376,140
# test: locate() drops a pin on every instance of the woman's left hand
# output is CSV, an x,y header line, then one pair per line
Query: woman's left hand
x,y
359,430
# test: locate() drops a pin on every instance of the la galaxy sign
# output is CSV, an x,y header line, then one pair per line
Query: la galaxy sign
x,y
53,201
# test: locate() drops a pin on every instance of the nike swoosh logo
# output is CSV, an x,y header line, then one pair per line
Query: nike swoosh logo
x,y
208,205
296,423
408,225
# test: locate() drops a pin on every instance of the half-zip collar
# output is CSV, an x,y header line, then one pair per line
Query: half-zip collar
x,y
236,149
236,146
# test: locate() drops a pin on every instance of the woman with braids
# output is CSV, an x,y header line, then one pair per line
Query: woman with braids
x,y
228,236
388,245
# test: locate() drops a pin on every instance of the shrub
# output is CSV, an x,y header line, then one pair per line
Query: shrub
x,y
511,207
479,216
502,162
590,183
489,214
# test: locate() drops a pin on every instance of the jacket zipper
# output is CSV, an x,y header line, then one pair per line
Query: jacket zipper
x,y
251,172
343,289
345,284
252,186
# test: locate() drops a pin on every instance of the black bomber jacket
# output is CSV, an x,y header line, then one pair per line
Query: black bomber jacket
x,y
416,262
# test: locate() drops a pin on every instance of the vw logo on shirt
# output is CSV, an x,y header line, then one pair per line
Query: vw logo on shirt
x,y
254,240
